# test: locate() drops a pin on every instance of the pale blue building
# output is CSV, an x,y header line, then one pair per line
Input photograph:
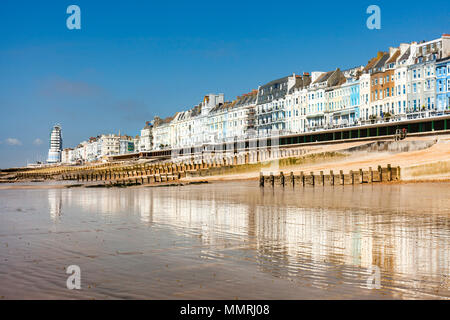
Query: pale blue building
x,y
443,84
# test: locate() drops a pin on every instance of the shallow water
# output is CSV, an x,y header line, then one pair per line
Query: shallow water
x,y
228,240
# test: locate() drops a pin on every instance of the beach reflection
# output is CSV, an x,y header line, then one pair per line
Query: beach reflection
x,y
321,238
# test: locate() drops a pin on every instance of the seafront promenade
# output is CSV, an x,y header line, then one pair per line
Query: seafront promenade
x,y
417,158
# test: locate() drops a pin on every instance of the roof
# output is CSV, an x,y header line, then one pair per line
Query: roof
x,y
405,55
382,61
324,77
273,82
240,101
332,78
158,121
394,57
370,64
275,89
301,82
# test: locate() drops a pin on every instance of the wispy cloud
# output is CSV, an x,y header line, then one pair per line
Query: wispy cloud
x,y
13,142
132,110
37,142
62,87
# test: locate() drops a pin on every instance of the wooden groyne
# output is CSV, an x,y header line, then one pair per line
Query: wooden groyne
x,y
135,174
333,178
126,174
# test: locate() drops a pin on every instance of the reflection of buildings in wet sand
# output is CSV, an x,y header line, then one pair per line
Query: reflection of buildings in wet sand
x,y
217,222
112,202
289,239
316,238
55,203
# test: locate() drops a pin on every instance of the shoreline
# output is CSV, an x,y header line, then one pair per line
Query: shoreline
x,y
195,181
421,159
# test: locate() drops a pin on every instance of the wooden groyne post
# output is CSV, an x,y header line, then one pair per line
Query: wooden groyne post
x,y
385,174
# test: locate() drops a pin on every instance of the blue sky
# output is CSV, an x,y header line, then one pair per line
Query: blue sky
x,y
132,60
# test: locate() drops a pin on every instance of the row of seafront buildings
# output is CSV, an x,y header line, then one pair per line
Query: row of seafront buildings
x,y
404,82
106,145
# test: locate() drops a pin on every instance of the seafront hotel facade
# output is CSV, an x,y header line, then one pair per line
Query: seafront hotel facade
x,y
405,82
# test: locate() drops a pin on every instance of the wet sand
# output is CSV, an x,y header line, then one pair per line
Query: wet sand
x,y
227,240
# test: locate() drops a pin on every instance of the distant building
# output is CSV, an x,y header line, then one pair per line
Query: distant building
x,y
126,145
109,144
54,153
443,84
270,110
161,133
146,139
67,155
422,75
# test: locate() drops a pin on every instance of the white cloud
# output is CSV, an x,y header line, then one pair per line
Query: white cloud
x,y
13,142
37,142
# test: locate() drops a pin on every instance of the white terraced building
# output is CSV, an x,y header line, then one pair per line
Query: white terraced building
x,y
393,86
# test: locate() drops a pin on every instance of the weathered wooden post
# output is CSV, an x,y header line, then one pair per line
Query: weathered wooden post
x,y
322,178
272,179
282,178
380,170
352,177
361,176
312,178
389,172
370,175
332,177
292,179
398,173
261,179
302,178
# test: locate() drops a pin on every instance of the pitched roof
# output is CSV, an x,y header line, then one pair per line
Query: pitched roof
x,y
245,99
324,77
370,64
394,57
405,55
275,89
382,61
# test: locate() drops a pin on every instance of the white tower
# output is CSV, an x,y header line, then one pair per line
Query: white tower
x,y
54,153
